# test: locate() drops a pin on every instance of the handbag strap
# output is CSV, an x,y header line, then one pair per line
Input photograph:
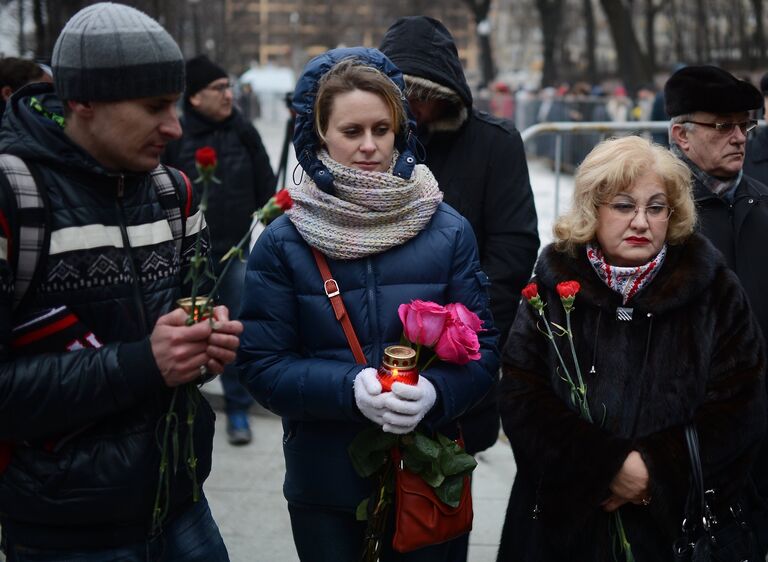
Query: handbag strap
x,y
696,498
334,295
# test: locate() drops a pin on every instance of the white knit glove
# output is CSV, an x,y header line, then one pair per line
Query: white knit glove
x,y
407,405
368,395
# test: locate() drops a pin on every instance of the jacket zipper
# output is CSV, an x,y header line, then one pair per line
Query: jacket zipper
x,y
138,298
371,290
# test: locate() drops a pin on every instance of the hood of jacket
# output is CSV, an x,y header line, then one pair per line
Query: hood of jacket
x,y
305,140
688,270
32,129
424,50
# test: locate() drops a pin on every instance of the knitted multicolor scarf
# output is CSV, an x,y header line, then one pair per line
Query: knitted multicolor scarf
x,y
369,212
627,281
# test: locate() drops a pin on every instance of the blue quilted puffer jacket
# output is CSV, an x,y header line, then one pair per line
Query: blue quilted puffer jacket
x,y
294,356
297,363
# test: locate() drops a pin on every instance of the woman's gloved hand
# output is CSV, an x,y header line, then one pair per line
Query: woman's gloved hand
x,y
368,396
407,405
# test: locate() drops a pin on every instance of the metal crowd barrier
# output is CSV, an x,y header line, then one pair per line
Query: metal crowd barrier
x,y
603,130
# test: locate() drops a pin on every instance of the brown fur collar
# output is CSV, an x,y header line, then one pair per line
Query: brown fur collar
x,y
424,89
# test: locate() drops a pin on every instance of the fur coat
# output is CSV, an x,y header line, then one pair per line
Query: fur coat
x,y
690,353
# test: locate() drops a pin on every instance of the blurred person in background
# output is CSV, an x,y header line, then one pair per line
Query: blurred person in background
x,y
247,182
15,73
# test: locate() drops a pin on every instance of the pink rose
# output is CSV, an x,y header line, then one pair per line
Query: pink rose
x,y
458,344
461,313
423,321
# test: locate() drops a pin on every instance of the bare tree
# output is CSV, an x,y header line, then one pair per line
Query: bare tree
x,y
759,41
591,40
652,8
551,14
480,10
633,64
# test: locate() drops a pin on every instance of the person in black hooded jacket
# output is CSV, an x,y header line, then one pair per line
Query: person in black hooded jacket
x,y
480,165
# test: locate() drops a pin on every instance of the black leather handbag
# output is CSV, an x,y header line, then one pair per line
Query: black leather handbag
x,y
706,537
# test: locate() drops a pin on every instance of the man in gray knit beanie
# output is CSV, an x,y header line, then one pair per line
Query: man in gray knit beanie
x,y
95,354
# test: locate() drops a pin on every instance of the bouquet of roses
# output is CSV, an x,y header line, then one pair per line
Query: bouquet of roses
x,y
447,333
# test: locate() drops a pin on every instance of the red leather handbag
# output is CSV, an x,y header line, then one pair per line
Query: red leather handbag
x,y
421,518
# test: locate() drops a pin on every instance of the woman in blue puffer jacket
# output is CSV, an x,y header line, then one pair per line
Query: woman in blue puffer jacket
x,y
378,218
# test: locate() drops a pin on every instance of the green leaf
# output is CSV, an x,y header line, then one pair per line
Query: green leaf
x,y
450,490
369,450
415,462
361,513
429,448
459,463
433,475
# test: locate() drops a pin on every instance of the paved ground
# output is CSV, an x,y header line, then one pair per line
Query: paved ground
x,y
245,493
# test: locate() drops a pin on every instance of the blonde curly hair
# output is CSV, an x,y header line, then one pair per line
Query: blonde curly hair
x,y
613,166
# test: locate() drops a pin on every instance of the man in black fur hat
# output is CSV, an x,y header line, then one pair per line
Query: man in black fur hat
x,y
710,114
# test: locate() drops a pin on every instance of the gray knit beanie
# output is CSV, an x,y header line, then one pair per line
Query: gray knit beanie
x,y
109,52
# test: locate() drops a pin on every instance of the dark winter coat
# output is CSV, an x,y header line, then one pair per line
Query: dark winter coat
x,y
756,157
297,363
479,162
99,407
739,230
691,353
246,177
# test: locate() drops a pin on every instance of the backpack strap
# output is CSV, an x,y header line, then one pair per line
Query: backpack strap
x,y
34,235
176,210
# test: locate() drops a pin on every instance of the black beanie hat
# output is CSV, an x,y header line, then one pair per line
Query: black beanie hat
x,y
201,71
708,88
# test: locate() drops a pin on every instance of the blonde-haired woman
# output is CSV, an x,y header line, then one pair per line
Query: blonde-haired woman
x,y
664,337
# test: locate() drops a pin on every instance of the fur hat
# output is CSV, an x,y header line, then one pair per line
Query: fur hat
x,y
201,71
109,52
710,89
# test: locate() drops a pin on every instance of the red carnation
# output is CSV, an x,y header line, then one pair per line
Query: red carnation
x,y
283,200
530,290
568,289
531,294
205,157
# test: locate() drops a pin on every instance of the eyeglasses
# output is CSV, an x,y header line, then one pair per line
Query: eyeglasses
x,y
220,87
653,213
727,128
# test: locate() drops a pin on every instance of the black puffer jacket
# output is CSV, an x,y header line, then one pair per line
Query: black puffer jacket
x,y
247,180
113,263
691,352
